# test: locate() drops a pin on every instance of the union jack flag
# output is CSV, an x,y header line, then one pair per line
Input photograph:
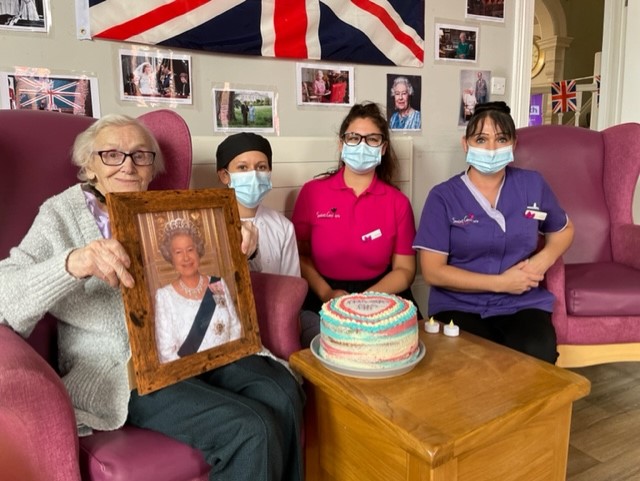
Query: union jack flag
x,y
384,32
44,93
563,96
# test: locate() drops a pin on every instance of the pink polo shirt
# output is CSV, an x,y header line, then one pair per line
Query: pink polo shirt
x,y
353,238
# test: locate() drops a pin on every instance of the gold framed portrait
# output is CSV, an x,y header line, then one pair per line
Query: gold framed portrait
x,y
192,308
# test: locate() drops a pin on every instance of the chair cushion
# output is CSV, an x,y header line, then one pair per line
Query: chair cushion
x,y
132,453
602,289
278,300
571,160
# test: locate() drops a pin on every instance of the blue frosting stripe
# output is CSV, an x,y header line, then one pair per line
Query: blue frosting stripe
x,y
347,335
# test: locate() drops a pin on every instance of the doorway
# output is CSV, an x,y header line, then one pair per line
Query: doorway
x,y
567,45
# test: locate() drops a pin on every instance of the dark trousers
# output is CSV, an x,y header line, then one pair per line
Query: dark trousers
x,y
529,331
245,417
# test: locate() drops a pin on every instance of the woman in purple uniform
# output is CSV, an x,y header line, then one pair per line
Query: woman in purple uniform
x,y
478,239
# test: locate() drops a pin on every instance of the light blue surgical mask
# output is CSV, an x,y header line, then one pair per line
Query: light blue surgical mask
x,y
489,161
250,187
361,158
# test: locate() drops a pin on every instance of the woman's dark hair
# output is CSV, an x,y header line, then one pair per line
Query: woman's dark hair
x,y
498,112
369,110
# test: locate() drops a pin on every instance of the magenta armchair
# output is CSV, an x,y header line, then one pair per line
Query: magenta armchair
x,y
36,415
597,282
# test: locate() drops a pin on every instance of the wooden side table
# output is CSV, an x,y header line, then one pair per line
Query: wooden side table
x,y
471,410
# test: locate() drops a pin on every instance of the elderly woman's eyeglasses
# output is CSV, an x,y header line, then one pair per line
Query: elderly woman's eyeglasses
x,y
372,140
115,157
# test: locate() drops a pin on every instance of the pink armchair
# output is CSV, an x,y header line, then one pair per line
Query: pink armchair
x,y
597,282
36,415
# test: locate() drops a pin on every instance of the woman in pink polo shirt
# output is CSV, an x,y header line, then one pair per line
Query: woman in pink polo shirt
x,y
354,228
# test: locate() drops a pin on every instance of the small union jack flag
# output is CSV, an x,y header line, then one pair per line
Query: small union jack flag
x,y
52,94
563,96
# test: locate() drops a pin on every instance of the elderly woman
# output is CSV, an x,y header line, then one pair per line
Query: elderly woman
x,y
319,86
194,312
245,417
464,49
405,116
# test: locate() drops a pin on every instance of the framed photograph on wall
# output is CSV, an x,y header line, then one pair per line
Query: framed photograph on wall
x,y
474,90
191,309
491,10
244,110
456,43
404,93
324,85
25,15
38,89
150,75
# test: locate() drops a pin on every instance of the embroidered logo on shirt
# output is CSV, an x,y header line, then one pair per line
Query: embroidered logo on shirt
x,y
466,220
330,214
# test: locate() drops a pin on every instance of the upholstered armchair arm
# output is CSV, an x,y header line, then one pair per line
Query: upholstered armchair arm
x,y
278,302
36,410
555,283
625,244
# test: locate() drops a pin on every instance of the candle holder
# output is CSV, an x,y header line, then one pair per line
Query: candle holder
x,y
451,330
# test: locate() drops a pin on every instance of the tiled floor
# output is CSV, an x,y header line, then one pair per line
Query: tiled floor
x,y
605,427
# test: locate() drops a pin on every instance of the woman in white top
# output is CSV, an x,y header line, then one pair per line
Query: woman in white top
x,y
145,79
28,11
244,163
194,312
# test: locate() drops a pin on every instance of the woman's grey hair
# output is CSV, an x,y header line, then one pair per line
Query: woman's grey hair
x,y
84,145
176,227
401,80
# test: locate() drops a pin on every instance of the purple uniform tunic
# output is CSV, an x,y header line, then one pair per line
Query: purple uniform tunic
x,y
459,222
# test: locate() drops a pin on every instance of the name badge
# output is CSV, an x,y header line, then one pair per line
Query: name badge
x,y
534,212
372,235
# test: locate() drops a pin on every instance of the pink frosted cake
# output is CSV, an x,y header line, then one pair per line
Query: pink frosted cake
x,y
371,330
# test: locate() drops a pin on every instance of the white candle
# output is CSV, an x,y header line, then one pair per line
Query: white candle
x,y
451,330
432,326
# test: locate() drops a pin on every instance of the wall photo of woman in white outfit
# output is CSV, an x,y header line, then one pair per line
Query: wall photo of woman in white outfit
x,y
145,79
28,10
194,312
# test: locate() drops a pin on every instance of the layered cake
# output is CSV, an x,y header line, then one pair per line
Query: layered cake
x,y
371,330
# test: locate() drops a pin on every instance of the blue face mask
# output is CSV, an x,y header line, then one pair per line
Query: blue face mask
x,y
250,187
489,161
361,158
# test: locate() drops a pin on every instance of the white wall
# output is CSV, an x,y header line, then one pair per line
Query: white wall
x,y
630,99
620,99
437,152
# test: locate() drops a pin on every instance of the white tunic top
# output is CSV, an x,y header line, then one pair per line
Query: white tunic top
x,y
175,315
277,247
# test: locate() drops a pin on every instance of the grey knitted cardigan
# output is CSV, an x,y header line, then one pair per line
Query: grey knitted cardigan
x,y
92,335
